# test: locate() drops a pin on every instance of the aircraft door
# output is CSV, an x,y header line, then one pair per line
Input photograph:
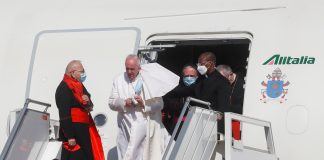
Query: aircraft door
x,y
102,52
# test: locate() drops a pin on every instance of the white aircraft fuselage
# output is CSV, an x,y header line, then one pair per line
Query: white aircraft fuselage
x,y
38,39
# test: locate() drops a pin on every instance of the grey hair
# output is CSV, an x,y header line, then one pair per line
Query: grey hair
x,y
134,57
227,70
72,65
189,66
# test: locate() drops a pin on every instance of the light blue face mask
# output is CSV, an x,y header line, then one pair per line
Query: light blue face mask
x,y
83,77
138,87
189,80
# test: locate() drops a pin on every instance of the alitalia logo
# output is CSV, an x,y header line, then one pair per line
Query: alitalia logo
x,y
286,60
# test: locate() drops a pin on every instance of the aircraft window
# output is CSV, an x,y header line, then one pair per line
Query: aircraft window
x,y
100,120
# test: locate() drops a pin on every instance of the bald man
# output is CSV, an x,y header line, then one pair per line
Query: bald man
x,y
140,129
77,130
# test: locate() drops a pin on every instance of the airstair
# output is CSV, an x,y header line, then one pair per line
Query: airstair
x,y
29,138
198,138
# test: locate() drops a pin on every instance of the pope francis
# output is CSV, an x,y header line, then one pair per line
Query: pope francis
x,y
136,96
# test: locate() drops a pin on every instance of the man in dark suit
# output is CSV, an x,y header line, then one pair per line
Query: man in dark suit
x,y
173,106
236,96
237,88
213,88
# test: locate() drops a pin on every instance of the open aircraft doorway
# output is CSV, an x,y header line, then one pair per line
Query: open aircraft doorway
x,y
232,48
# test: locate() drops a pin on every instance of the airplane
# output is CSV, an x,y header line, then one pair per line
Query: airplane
x,y
276,45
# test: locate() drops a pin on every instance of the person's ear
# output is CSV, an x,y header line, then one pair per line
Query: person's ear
x,y
72,74
208,64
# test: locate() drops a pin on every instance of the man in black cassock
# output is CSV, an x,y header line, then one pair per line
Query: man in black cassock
x,y
213,87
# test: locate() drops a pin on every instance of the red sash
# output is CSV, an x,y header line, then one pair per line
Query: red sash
x,y
69,148
82,116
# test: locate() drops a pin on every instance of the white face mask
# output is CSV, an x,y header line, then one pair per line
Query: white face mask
x,y
202,69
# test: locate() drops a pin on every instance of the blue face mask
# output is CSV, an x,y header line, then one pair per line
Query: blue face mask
x,y
138,87
83,77
189,80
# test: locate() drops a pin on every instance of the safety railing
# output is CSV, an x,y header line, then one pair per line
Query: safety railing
x,y
245,152
22,144
197,138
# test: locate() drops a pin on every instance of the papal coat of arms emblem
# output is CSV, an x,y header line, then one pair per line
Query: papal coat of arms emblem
x,y
275,87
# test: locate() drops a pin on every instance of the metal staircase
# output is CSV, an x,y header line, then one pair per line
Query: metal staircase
x,y
30,134
199,140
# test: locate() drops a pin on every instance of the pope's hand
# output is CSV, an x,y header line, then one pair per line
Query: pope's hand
x,y
139,100
128,102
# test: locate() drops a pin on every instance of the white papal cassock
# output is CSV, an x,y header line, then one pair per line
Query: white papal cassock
x,y
141,134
